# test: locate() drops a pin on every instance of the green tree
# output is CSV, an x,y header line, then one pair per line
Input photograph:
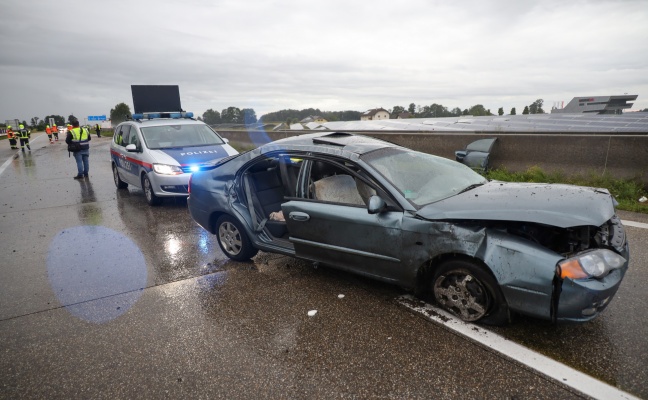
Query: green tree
x,y
478,110
231,115
120,113
513,111
397,111
34,122
211,117
249,116
500,111
412,108
58,119
536,107
526,110
456,112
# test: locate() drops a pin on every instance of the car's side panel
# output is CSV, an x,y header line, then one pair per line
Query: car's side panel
x,y
347,237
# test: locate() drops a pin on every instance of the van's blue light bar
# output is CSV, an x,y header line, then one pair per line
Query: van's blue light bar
x,y
174,115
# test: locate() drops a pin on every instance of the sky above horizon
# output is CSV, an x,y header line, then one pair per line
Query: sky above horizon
x,y
81,57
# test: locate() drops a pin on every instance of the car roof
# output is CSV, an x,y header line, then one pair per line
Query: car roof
x,y
164,121
329,142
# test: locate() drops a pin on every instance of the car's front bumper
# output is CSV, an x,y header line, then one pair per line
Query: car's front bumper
x,y
584,299
169,185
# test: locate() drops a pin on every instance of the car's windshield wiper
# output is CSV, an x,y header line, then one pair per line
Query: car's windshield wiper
x,y
471,187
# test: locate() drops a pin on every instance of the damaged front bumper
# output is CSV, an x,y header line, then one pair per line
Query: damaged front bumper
x,y
581,300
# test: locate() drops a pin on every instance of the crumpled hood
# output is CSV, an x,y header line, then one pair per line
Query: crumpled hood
x,y
550,204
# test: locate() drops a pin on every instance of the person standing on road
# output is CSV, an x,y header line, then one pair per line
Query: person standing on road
x,y
98,129
55,132
81,136
12,138
48,130
23,134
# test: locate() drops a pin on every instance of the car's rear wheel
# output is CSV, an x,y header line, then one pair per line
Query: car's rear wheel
x,y
233,240
469,292
118,182
151,198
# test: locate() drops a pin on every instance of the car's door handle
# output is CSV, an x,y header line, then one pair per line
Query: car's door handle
x,y
298,216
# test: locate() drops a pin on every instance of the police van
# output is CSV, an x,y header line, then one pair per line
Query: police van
x,y
157,152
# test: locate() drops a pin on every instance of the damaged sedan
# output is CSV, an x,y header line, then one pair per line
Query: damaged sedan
x,y
483,250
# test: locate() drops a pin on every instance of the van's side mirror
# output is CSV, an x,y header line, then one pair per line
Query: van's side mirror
x,y
131,148
376,205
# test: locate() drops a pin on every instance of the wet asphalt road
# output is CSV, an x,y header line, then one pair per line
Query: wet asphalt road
x,y
102,296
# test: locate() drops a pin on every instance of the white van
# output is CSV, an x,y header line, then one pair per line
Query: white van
x,y
158,152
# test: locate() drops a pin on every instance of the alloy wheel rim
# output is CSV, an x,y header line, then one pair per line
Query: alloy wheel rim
x,y
230,238
462,294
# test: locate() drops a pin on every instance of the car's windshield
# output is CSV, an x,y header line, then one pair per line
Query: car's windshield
x,y
181,135
422,178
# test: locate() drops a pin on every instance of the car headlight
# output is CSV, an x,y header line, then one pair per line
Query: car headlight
x,y
165,169
592,264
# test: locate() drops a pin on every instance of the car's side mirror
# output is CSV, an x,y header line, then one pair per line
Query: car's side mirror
x,y
226,140
376,205
131,148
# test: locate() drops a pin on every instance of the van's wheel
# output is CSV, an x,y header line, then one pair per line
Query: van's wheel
x,y
151,198
233,240
469,292
118,182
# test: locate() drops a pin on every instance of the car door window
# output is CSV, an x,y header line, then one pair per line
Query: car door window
x,y
329,182
122,136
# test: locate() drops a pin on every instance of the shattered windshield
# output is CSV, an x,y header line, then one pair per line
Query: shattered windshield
x,y
181,135
422,178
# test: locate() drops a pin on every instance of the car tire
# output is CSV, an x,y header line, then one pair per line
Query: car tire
x,y
118,182
468,291
233,240
151,198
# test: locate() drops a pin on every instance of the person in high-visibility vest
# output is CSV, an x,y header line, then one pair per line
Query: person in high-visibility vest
x,y
12,137
48,130
55,132
23,134
98,129
82,136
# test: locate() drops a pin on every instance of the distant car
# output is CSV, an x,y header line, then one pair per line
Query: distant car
x,y
62,130
158,153
482,249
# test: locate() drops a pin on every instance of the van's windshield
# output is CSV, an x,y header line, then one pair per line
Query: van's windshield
x,y
189,135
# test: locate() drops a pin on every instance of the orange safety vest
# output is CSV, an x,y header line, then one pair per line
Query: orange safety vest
x,y
10,133
48,130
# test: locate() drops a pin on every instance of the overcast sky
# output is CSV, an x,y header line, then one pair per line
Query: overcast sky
x,y
81,56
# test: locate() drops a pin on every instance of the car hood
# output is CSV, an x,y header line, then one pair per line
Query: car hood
x,y
550,204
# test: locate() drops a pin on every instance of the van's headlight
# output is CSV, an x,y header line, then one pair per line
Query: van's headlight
x,y
591,264
165,169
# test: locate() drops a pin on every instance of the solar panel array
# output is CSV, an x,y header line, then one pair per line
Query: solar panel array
x,y
630,122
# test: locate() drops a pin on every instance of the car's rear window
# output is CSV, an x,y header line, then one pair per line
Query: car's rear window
x,y
181,135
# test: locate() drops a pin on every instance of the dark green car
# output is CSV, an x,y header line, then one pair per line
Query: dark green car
x,y
483,249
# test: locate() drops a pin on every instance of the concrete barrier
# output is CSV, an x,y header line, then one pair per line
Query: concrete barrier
x,y
621,156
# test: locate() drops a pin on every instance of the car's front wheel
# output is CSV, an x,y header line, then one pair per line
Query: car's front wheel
x,y
469,292
233,240
151,198
118,182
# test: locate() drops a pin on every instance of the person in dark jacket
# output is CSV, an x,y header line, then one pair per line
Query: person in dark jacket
x,y
82,136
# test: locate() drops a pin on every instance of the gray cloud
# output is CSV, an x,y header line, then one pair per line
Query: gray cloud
x,y
81,57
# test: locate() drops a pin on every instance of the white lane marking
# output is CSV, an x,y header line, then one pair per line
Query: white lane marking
x,y
635,224
546,366
10,159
